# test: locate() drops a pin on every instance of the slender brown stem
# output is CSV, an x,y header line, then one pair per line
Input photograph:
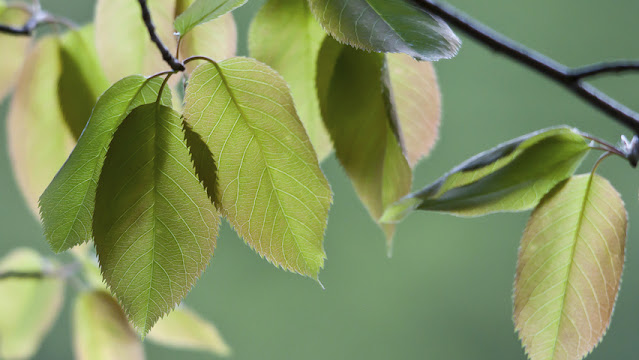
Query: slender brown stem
x,y
174,63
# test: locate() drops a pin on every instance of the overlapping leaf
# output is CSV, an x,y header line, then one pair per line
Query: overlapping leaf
x,y
285,36
391,26
68,202
511,177
569,270
272,189
185,329
101,330
28,307
216,39
17,46
202,11
154,226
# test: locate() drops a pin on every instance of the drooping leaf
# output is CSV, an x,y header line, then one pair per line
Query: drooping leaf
x,y
154,226
17,46
216,39
391,26
285,36
360,124
28,307
273,191
569,270
416,102
82,79
122,41
67,203
185,329
513,176
202,11
101,330
39,141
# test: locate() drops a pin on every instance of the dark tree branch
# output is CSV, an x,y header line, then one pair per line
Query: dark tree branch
x,y
166,54
37,18
62,272
571,79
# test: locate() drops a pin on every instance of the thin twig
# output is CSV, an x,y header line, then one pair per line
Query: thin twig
x,y
63,272
166,54
572,79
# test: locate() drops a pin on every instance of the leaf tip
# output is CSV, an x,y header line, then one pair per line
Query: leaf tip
x,y
399,210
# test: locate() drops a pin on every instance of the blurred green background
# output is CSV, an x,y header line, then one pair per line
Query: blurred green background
x,y
446,293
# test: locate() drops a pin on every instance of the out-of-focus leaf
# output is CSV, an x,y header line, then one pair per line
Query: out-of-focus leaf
x,y
285,36
390,26
17,46
183,328
101,330
82,79
216,39
202,11
513,176
570,263
68,202
360,124
273,190
122,41
28,307
39,141
416,102
154,226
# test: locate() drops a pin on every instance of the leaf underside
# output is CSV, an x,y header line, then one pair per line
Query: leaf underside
x,y
569,271
154,226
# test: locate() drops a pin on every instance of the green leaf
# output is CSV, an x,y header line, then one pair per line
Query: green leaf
x,y
360,125
28,307
416,102
101,330
202,11
273,191
67,203
570,263
82,79
123,42
39,141
285,36
185,329
391,26
203,163
154,226
17,46
513,176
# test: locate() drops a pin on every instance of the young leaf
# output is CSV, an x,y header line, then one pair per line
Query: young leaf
x,y
569,269
154,226
67,203
17,46
360,124
28,307
285,36
203,11
391,26
416,102
513,176
39,140
101,330
216,39
123,42
183,328
273,191
82,79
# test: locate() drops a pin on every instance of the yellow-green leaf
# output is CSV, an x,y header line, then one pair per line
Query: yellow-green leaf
x,y
285,35
416,101
185,329
101,330
203,11
154,226
28,307
569,270
272,189
216,40
39,141
17,46
513,176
